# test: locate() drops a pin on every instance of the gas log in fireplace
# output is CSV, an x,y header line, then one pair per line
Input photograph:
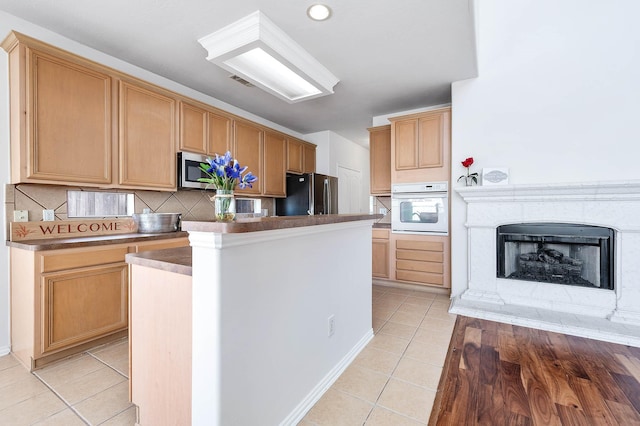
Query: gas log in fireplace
x,y
559,253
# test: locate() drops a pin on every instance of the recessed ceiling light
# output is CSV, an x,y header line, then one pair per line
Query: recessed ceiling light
x,y
319,12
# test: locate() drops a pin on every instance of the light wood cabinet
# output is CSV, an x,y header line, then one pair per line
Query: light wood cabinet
x,y
309,158
147,137
380,160
421,148
249,151
295,156
219,133
301,156
65,301
422,259
380,253
193,128
61,118
275,157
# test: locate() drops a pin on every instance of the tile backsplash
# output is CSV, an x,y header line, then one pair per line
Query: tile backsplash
x,y
382,203
192,204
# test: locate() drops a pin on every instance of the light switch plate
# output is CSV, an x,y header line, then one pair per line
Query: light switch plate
x,y
21,215
47,215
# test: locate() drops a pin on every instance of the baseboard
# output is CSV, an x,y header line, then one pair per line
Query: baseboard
x,y
316,393
5,350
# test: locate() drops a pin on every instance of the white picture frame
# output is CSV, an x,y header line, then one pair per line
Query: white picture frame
x,y
495,176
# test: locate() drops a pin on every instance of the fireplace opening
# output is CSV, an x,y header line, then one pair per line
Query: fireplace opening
x,y
559,253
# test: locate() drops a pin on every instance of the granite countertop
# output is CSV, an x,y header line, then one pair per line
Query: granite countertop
x,y
66,243
176,260
273,223
382,225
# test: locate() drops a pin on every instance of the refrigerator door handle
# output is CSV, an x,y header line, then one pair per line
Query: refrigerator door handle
x,y
327,194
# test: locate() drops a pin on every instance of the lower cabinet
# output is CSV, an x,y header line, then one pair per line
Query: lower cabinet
x,y
65,301
380,253
411,259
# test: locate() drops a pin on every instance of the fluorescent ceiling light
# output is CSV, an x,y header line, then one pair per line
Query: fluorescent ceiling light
x,y
260,52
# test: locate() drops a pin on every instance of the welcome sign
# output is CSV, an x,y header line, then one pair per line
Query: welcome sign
x,y
23,231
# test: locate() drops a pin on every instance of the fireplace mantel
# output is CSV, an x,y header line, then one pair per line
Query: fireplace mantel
x,y
613,205
604,191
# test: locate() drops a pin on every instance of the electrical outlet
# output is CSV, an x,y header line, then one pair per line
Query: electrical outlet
x,y
331,323
21,215
383,211
47,215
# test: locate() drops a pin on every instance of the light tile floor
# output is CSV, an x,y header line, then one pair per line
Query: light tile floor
x,y
393,381
91,388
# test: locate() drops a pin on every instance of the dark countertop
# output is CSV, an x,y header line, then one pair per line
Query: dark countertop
x,y
66,243
273,223
176,260
382,225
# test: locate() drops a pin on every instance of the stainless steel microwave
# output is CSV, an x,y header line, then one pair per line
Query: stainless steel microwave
x,y
189,170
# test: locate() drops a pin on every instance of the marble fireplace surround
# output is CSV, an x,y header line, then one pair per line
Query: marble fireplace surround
x,y
611,315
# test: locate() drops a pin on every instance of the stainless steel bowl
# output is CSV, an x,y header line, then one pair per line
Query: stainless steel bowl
x,y
152,223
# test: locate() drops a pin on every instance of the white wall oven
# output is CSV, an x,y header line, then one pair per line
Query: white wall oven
x,y
420,208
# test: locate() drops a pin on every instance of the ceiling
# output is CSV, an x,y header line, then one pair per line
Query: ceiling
x,y
389,56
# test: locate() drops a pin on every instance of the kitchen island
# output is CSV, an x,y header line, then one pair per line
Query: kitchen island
x,y
279,307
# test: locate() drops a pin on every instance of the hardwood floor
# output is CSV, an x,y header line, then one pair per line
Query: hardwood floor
x,y
502,374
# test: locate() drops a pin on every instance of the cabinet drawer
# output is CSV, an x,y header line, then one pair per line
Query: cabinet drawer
x,y
413,265
420,277
78,259
382,234
437,246
424,256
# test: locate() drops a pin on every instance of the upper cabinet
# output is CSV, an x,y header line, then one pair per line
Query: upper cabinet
x,y
380,159
76,122
147,138
295,156
249,152
301,156
421,145
204,130
275,158
309,158
61,118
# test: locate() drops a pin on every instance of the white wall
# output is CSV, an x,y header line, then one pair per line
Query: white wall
x,y
335,151
556,99
9,23
4,179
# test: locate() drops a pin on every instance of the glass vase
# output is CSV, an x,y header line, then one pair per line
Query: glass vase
x,y
224,204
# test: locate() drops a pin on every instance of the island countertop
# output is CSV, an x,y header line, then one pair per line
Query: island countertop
x,y
176,260
273,223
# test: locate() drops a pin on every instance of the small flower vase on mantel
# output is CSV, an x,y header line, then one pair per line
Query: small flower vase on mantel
x,y
468,180
224,204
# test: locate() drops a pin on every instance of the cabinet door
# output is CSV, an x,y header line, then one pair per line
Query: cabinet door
x,y
406,147
380,258
380,160
309,158
275,156
295,156
248,152
69,119
147,138
430,141
83,304
193,128
220,128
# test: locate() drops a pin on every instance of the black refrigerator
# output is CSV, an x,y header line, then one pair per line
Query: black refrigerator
x,y
307,194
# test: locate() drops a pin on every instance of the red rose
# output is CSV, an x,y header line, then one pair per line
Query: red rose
x,y
468,162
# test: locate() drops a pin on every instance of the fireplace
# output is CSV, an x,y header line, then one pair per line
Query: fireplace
x,y
557,253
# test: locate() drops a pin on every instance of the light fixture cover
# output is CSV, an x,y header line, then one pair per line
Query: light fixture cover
x,y
260,52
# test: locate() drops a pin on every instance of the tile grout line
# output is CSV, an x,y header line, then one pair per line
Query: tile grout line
x,y
69,406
